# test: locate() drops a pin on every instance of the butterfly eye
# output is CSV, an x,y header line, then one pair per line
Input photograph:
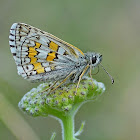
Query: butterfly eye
x,y
94,59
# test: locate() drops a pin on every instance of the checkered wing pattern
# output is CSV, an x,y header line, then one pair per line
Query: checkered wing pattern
x,y
40,55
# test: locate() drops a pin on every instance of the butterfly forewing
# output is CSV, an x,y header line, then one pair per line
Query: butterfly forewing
x,y
40,55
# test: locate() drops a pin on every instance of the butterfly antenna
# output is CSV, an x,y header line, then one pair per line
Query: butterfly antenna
x,y
108,74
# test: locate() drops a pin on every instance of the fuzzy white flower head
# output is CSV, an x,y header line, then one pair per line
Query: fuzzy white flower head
x,y
62,100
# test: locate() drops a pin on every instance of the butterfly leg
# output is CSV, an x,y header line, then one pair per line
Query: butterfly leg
x,y
81,77
50,87
62,82
91,76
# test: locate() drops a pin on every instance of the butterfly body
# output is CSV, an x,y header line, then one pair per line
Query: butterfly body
x,y
40,56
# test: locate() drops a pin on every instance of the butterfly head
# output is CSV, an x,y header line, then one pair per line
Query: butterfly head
x,y
94,58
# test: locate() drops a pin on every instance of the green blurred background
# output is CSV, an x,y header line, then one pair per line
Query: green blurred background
x,y
111,27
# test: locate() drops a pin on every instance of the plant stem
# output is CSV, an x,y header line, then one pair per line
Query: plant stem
x,y
67,123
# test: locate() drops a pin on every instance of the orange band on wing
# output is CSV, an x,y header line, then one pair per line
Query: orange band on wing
x,y
41,70
38,67
32,52
33,60
53,46
37,45
51,56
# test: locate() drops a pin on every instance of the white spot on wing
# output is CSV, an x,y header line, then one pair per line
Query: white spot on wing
x,y
42,54
24,54
47,69
28,68
61,50
20,70
12,37
18,60
12,43
27,41
32,73
44,39
24,48
45,64
45,48
13,49
13,32
41,60
14,26
25,61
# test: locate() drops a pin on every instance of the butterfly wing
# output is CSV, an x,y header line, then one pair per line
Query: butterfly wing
x,y
40,55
